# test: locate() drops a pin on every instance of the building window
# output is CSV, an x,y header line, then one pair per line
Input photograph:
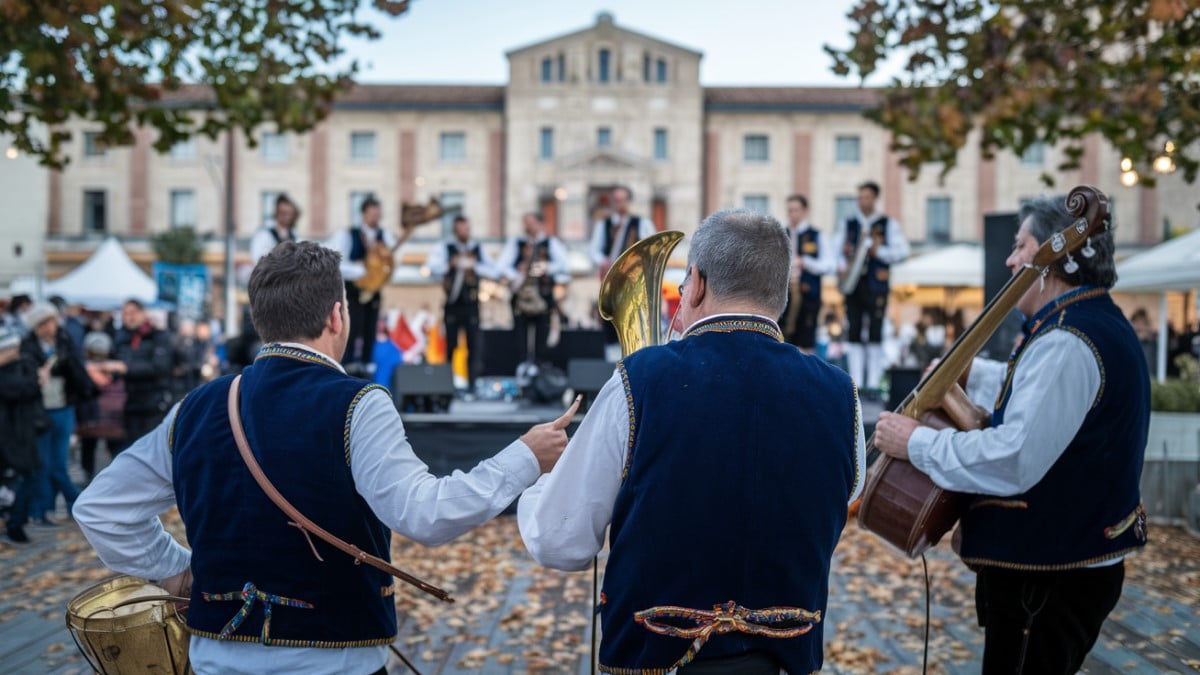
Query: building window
x,y
562,67
268,206
362,146
183,208
660,144
604,66
646,67
453,204
184,151
603,137
760,203
95,212
546,144
452,146
1034,155
274,147
756,148
92,145
356,201
937,219
547,69
844,207
660,70
848,150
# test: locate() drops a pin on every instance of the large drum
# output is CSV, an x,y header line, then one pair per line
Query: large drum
x,y
126,625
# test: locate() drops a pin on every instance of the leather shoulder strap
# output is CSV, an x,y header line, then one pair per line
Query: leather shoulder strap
x,y
298,519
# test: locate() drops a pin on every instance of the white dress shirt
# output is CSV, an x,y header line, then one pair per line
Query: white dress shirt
x,y
822,263
1055,384
596,250
896,250
563,517
558,267
119,510
263,242
343,241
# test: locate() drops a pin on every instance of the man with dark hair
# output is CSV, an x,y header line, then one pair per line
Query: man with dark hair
x,y
718,513
611,236
355,244
148,357
282,228
264,598
461,262
533,264
1055,478
868,244
809,262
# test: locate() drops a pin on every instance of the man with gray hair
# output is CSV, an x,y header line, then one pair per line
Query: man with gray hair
x,y
1054,480
724,463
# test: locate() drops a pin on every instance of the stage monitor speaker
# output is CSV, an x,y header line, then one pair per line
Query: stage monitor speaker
x,y
999,231
423,380
587,377
901,381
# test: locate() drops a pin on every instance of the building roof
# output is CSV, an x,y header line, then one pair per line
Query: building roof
x,y
789,99
605,20
376,97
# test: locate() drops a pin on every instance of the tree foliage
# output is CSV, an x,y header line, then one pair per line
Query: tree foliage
x,y
115,62
1023,72
178,245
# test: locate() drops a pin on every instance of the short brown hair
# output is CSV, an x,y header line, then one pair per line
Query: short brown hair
x,y
293,289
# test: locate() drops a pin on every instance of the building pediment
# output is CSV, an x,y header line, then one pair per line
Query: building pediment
x,y
602,159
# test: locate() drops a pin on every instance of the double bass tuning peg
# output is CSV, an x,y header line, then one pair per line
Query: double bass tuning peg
x,y
1071,267
1087,251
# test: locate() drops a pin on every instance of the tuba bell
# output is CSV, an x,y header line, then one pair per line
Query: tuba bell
x,y
631,293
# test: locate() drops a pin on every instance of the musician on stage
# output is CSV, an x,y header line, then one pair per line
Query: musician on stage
x,y
1056,504
335,447
533,264
881,239
810,261
689,457
355,244
610,237
282,228
460,262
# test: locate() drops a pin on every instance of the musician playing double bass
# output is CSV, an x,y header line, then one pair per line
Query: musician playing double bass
x,y
721,515
809,262
1054,480
882,240
335,447
461,262
355,244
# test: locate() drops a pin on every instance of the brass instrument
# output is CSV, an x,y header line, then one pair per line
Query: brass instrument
x,y
129,625
527,298
631,293
849,282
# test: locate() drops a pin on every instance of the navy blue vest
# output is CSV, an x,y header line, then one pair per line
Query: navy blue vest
x,y
631,233
876,271
357,250
296,411
1087,509
723,501
541,251
809,244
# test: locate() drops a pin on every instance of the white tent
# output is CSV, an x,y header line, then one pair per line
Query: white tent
x,y
956,266
1173,265
105,280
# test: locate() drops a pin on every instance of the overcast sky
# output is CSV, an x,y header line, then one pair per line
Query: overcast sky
x,y
744,42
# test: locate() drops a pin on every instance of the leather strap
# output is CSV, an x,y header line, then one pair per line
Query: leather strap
x,y
298,520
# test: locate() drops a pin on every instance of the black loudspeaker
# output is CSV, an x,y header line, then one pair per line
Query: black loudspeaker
x,y
999,231
587,377
900,382
423,388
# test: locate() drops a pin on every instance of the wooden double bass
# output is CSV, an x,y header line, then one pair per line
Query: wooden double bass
x,y
901,504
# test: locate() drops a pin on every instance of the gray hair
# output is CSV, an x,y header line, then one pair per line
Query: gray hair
x,y
743,255
1048,216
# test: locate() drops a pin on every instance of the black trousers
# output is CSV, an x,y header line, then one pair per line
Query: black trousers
x,y
360,348
862,302
804,335
1062,612
540,325
464,316
750,663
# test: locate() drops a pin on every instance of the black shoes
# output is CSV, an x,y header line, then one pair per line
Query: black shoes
x,y
17,534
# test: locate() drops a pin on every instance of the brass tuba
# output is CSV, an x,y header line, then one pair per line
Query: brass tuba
x,y
631,293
